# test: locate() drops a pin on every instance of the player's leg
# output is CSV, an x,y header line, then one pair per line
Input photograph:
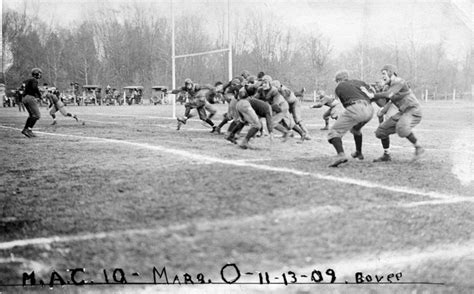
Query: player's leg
x,y
295,109
64,112
383,133
248,114
364,113
236,126
404,128
277,120
34,115
211,109
52,113
326,116
187,115
203,116
358,141
297,128
342,125
225,120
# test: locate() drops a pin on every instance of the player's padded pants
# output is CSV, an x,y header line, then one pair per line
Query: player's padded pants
x,y
32,107
247,113
284,118
59,107
333,112
232,109
295,110
200,110
353,118
210,108
401,123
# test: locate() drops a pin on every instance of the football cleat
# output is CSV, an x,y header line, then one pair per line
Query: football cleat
x,y
419,151
26,133
31,133
75,117
180,123
307,137
54,122
357,155
340,159
244,144
231,139
384,157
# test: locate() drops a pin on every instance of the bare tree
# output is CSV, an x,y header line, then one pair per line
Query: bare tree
x,y
318,50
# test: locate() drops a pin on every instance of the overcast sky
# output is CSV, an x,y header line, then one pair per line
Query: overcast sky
x,y
344,22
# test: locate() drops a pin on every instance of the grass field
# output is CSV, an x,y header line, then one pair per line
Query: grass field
x,y
126,190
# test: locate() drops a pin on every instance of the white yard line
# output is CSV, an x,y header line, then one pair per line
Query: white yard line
x,y
253,160
139,116
277,215
437,202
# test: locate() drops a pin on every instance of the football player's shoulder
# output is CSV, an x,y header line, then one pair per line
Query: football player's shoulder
x,y
398,80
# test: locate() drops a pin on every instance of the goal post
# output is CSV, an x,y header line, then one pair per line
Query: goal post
x,y
217,51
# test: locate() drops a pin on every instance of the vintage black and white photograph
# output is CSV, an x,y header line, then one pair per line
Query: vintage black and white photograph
x,y
237,146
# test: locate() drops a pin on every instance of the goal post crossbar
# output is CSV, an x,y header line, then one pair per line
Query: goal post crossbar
x,y
202,53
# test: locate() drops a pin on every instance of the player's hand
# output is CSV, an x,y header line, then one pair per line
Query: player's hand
x,y
366,92
380,113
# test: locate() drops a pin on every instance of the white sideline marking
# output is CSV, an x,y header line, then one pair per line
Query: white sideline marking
x,y
22,264
141,116
437,202
210,159
197,225
253,160
182,129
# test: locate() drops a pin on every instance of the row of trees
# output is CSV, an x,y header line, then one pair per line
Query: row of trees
x,y
109,48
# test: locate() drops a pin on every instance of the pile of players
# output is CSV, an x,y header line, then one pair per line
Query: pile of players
x,y
254,98
251,99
